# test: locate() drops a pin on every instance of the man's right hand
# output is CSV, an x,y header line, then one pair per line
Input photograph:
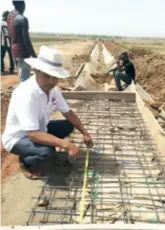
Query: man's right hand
x,y
73,150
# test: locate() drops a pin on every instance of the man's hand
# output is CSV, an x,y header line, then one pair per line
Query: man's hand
x,y
88,140
73,150
73,119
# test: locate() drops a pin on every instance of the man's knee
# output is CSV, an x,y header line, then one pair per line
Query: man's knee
x,y
70,127
47,152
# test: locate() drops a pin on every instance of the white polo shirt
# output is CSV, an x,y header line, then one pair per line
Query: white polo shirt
x,y
30,109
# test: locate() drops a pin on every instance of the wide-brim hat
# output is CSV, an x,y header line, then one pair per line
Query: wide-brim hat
x,y
48,61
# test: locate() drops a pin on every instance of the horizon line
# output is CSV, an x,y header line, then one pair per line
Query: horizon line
x,y
96,35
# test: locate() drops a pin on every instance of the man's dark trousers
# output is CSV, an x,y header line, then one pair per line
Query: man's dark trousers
x,y
3,52
32,154
118,76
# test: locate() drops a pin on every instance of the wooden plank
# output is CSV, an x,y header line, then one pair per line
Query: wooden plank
x,y
155,129
144,95
89,227
87,95
79,70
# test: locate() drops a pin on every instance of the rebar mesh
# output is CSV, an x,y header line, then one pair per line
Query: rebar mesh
x,y
126,181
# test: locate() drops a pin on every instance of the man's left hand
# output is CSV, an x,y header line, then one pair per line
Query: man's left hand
x,y
88,140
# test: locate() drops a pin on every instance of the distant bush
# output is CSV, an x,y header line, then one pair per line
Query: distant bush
x,y
138,51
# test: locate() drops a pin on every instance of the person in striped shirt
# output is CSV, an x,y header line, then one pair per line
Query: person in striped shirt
x,y
5,43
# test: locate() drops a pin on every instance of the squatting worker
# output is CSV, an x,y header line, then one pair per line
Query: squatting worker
x,y
21,44
29,132
124,71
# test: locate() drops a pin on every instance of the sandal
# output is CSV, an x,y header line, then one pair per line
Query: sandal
x,y
28,173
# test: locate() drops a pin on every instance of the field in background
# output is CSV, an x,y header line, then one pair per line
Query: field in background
x,y
157,46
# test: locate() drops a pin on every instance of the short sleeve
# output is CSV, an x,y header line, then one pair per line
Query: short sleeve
x,y
27,112
61,104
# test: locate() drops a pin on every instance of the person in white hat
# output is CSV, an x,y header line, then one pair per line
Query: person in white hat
x,y
29,132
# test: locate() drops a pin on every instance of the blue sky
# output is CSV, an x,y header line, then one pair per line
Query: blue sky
x,y
109,17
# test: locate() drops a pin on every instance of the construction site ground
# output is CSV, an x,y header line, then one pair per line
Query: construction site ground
x,y
16,190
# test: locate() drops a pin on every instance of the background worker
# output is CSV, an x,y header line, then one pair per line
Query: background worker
x,y
21,44
5,44
125,71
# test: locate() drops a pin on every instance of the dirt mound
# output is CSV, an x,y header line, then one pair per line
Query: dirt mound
x,y
113,47
101,79
151,75
8,161
81,58
5,98
136,51
8,164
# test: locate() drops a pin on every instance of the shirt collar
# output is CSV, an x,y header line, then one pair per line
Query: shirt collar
x,y
36,86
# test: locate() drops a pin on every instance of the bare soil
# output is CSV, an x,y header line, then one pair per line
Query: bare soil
x,y
150,75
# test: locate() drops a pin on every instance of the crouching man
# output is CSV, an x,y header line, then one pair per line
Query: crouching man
x,y
29,132
125,71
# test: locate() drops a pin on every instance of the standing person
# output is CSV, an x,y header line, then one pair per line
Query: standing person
x,y
21,44
124,71
5,43
29,132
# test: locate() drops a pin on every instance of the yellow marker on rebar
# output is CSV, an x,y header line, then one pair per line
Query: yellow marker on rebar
x,y
82,203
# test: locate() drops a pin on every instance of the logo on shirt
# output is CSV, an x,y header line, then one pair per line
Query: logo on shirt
x,y
53,100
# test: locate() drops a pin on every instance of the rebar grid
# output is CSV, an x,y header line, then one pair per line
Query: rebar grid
x,y
126,181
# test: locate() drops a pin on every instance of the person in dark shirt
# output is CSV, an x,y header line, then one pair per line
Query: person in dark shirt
x,y
124,71
5,44
21,44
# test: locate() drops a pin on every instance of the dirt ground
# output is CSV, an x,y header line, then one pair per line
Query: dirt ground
x,y
74,52
150,69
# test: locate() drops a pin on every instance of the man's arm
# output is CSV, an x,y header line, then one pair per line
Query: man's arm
x,y
50,140
47,139
73,119
134,73
62,106
131,67
28,115
112,68
26,39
